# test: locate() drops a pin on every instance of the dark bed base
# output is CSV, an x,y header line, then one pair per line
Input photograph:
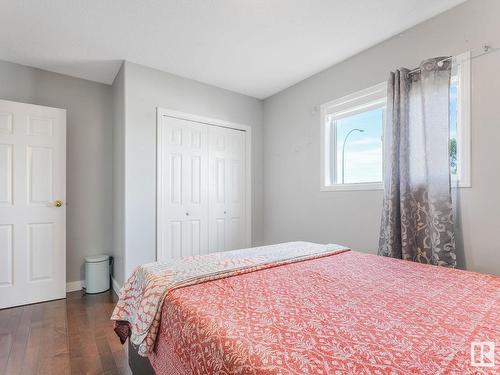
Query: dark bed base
x,y
139,365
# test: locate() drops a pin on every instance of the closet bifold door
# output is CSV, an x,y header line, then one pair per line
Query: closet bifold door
x,y
226,186
183,188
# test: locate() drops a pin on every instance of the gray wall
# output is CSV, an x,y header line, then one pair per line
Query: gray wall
x,y
147,89
294,206
118,93
89,157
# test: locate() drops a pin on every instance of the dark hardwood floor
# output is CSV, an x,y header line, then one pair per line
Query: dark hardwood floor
x,y
70,336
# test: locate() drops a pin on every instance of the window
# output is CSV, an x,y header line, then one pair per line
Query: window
x,y
352,133
352,140
460,145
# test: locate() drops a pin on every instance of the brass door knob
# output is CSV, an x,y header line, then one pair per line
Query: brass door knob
x,y
58,203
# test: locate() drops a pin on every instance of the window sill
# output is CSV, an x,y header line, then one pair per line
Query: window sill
x,y
353,187
379,186
460,184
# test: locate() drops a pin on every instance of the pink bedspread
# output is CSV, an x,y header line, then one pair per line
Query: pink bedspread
x,y
138,310
345,313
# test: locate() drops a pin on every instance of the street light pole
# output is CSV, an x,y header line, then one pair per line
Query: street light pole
x,y
343,149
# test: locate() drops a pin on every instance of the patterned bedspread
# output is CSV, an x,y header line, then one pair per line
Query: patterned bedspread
x,y
137,313
348,313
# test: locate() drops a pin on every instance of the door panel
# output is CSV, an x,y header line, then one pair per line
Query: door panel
x,y
176,179
182,188
41,249
236,181
220,234
220,180
226,189
40,175
6,179
193,240
6,265
5,123
176,238
32,227
40,126
196,187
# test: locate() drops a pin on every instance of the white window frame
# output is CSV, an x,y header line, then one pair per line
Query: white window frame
x,y
365,99
463,177
358,102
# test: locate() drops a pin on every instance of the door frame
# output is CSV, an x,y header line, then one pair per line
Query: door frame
x,y
163,112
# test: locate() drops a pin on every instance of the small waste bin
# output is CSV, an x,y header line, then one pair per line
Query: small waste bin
x,y
96,274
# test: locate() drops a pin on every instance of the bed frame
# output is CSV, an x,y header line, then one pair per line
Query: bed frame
x,y
139,365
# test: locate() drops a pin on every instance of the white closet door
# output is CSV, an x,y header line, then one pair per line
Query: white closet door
x,y
227,211
183,192
32,209
202,182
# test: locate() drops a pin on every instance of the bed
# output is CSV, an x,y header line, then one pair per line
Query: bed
x,y
304,308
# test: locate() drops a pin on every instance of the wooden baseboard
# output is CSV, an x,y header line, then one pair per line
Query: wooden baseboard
x,y
73,286
114,284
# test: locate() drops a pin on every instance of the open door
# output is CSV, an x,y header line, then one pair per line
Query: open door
x,y
32,203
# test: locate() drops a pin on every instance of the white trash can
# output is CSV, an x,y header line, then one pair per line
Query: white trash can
x,y
96,273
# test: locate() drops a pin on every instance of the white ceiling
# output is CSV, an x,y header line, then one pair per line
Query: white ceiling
x,y
255,47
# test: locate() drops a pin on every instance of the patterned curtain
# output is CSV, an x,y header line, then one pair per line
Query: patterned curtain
x,y
417,219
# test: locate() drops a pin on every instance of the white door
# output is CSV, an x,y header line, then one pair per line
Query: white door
x,y
202,196
32,210
182,188
227,209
